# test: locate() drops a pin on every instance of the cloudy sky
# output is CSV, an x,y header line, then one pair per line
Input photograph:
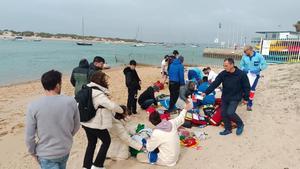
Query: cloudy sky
x,y
156,20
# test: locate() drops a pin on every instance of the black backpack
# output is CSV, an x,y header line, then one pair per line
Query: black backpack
x,y
86,107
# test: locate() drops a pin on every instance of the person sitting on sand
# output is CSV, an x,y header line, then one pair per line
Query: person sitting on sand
x,y
164,138
147,98
80,74
187,90
120,138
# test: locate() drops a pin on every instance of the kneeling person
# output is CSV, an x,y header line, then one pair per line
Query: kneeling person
x,y
147,98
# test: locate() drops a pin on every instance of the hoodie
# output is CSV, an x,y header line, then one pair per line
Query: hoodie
x,y
132,79
79,75
146,95
235,85
176,72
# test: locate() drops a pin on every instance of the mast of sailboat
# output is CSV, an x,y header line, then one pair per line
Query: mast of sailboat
x,y
82,24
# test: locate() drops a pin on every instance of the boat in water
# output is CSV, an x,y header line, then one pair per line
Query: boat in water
x,y
18,38
83,43
138,45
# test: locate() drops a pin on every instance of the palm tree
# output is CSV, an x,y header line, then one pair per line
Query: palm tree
x,y
297,26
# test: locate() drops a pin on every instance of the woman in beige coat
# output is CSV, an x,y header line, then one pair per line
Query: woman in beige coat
x,y
98,126
121,140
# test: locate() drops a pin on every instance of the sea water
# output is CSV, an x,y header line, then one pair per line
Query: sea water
x,y
25,60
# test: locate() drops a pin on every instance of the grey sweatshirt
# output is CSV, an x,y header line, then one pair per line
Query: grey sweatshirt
x,y
51,123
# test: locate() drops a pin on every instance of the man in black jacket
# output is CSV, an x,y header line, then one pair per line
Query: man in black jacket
x,y
97,65
235,87
133,83
147,98
79,75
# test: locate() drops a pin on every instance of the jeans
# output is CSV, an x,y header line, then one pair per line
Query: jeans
x,y
147,103
174,88
131,101
92,136
229,114
59,163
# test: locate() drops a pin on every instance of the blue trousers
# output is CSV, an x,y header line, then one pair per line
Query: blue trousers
x,y
228,114
59,163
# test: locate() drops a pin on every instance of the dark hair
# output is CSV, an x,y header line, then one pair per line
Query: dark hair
x,y
84,63
132,62
175,52
204,69
208,68
230,60
99,59
99,78
50,79
205,79
166,57
154,118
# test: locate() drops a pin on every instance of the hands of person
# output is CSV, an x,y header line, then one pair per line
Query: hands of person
x,y
188,105
203,94
35,158
245,102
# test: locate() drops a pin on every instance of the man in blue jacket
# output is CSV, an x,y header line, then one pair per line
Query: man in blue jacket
x,y
235,87
254,63
176,79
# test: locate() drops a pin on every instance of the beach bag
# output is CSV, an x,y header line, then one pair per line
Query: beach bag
x,y
86,107
216,118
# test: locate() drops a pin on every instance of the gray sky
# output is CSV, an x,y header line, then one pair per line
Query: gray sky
x,y
158,20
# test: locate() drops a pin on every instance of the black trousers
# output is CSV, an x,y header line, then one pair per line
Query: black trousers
x,y
131,101
174,88
92,136
229,114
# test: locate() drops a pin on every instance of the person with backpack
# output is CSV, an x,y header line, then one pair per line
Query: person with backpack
x,y
97,127
97,65
176,79
121,140
133,83
79,75
147,98
235,88
51,123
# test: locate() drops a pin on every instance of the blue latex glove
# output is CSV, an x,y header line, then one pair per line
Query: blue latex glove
x,y
144,141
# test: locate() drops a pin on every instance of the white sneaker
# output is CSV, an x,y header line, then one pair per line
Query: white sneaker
x,y
94,167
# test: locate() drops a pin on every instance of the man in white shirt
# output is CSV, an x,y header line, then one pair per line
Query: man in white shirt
x,y
211,75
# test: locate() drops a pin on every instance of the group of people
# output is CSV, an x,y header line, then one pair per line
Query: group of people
x,y
53,120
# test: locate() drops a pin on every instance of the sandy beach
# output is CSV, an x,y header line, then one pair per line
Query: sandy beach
x,y
270,141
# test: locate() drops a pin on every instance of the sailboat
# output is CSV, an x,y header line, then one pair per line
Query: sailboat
x,y
136,37
83,43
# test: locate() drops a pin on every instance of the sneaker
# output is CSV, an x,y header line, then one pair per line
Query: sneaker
x,y
225,132
249,108
240,130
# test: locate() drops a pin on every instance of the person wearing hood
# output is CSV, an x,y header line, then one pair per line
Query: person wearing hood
x,y
253,63
164,138
79,75
147,98
176,79
97,127
195,74
133,83
97,65
235,87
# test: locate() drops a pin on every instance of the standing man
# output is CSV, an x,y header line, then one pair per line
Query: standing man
x,y
52,120
80,74
176,79
97,65
133,83
253,63
235,87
